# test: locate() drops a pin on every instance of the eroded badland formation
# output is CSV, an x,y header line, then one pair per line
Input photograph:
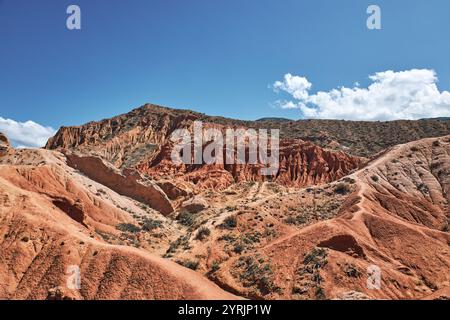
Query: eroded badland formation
x,y
107,198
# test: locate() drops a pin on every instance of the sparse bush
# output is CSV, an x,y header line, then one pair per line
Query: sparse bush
x,y
256,273
296,220
316,259
128,227
186,219
436,143
320,293
215,266
150,224
173,247
238,248
230,222
342,188
290,220
375,178
351,270
414,149
423,188
202,233
227,238
189,264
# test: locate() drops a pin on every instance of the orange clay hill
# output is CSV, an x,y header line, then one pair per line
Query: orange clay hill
x,y
106,198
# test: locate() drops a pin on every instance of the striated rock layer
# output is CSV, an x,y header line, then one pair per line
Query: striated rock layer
x,y
128,183
51,219
140,139
388,240
300,164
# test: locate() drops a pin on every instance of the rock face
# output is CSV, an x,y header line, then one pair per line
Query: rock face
x,y
392,226
128,183
124,136
141,140
52,219
4,144
300,164
319,228
124,140
194,205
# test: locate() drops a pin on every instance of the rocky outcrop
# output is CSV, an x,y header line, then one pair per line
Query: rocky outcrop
x,y
148,127
4,144
124,140
194,205
174,191
140,139
300,164
128,183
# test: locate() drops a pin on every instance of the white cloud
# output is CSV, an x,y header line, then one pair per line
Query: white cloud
x,y
27,134
411,94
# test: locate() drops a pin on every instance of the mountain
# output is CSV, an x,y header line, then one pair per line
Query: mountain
x,y
358,138
141,140
52,218
353,212
318,243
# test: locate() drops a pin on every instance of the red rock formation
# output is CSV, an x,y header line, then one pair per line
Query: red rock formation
x,y
300,164
4,144
141,139
128,183
396,220
49,219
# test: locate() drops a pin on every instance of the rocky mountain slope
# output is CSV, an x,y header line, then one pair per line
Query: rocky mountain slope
x,y
107,198
53,218
322,242
141,140
359,138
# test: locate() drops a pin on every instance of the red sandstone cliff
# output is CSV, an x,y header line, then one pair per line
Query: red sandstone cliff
x,y
140,139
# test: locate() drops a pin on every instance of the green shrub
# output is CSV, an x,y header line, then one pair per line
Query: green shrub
x,y
186,219
296,220
239,248
202,233
182,241
256,273
351,270
189,264
230,222
215,266
342,188
128,227
150,224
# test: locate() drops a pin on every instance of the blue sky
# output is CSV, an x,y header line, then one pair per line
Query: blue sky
x,y
214,56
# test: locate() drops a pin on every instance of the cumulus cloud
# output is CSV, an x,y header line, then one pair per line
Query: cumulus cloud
x,y
27,134
411,94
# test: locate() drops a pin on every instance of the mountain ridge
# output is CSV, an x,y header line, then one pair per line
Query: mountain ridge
x,y
344,135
